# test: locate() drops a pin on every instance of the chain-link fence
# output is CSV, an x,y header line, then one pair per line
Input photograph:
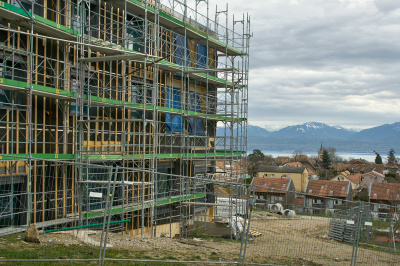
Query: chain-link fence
x,y
291,228
274,226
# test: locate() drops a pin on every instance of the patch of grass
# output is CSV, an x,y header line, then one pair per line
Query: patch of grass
x,y
380,224
312,214
223,239
169,257
379,249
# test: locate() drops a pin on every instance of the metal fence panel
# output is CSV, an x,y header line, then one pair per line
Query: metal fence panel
x,y
322,233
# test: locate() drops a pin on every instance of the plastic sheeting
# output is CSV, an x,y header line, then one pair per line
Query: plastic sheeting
x,y
196,125
182,46
237,225
173,122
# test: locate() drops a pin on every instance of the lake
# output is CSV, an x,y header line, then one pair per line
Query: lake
x,y
370,157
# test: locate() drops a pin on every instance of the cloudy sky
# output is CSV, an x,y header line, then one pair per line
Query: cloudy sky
x,y
330,61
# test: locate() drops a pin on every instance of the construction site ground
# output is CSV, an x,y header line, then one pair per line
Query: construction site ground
x,y
297,241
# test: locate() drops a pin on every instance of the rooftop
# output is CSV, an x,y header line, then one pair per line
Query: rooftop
x,y
385,191
275,169
264,184
328,188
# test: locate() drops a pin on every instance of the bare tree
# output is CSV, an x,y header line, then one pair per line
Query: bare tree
x,y
297,154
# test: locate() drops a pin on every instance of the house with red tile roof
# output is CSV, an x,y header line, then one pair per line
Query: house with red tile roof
x,y
310,164
340,167
354,178
327,194
385,198
273,190
293,164
299,175
282,159
371,177
391,168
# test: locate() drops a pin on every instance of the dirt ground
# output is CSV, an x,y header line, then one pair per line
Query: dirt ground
x,y
298,241
305,238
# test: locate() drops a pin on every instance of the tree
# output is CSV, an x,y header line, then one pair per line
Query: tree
x,y
256,156
253,160
362,195
332,154
391,158
378,159
269,159
297,154
326,160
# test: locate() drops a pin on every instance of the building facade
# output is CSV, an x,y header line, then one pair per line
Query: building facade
x,y
324,196
299,175
126,92
353,178
273,190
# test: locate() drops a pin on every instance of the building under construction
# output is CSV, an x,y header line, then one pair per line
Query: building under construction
x,y
112,107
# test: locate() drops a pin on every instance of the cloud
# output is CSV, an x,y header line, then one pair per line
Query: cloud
x,y
329,61
386,6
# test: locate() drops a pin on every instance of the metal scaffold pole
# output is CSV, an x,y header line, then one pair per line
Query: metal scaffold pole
x,y
139,85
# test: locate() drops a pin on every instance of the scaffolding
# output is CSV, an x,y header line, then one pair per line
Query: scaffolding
x,y
122,92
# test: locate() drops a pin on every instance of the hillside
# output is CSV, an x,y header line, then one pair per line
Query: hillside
x,y
388,133
314,130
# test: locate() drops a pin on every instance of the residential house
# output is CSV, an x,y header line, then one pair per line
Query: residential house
x,y
340,167
326,194
371,177
378,168
310,164
358,161
297,205
228,170
384,198
282,159
273,190
354,178
299,175
391,169
293,164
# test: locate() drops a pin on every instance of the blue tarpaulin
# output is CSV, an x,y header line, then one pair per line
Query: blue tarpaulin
x,y
173,101
182,45
196,125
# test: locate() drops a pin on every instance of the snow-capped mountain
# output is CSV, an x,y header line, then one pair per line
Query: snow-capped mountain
x,y
314,130
252,131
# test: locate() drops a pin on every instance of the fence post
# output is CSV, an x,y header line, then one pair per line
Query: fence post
x,y
247,232
393,238
356,237
244,236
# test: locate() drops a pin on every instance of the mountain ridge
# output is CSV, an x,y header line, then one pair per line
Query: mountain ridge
x,y
387,133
